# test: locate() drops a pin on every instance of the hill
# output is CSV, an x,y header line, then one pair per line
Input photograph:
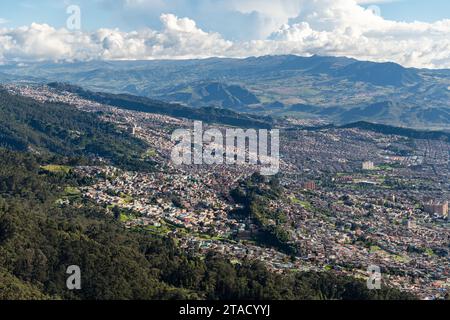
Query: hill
x,y
380,74
213,94
57,129
405,132
389,113
39,239
143,104
263,84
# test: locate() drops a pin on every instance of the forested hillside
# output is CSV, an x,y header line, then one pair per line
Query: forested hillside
x,y
27,125
143,104
340,90
41,235
39,239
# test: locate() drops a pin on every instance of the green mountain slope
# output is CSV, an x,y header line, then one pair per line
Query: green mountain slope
x,y
143,104
40,239
213,94
27,125
270,85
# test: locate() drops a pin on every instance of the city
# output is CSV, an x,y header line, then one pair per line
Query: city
x,y
352,199
225,158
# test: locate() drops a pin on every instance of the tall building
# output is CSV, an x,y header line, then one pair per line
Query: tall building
x,y
435,207
310,185
133,130
368,165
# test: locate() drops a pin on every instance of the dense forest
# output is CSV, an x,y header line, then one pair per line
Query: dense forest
x,y
40,238
255,194
58,129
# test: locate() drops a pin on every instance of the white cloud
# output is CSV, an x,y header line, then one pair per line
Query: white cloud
x,y
303,27
341,27
179,39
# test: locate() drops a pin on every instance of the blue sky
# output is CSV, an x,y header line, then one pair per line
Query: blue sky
x,y
24,12
421,10
413,33
110,14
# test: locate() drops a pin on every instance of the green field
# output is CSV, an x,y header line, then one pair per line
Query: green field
x,y
150,153
56,168
71,191
126,199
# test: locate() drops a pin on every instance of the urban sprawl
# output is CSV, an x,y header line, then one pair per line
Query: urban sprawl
x,y
352,198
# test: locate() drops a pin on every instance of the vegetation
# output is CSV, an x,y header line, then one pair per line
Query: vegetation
x,y
255,194
57,129
404,132
56,168
207,114
41,234
40,239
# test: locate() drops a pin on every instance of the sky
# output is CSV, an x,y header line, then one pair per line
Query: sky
x,y
414,33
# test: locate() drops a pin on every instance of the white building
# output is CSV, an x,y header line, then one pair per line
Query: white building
x,y
368,165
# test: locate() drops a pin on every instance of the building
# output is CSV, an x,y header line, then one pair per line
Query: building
x,y
435,207
368,165
310,185
343,179
133,130
410,223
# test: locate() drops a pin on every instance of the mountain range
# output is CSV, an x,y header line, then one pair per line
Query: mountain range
x,y
335,89
214,94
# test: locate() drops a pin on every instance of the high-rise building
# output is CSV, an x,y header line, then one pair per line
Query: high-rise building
x,y
435,207
310,185
368,165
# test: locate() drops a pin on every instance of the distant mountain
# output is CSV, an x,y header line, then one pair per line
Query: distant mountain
x,y
377,111
379,74
214,94
386,112
405,132
382,74
337,88
8,78
143,104
218,68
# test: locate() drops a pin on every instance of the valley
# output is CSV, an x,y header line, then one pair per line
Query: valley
x,y
322,213
337,90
